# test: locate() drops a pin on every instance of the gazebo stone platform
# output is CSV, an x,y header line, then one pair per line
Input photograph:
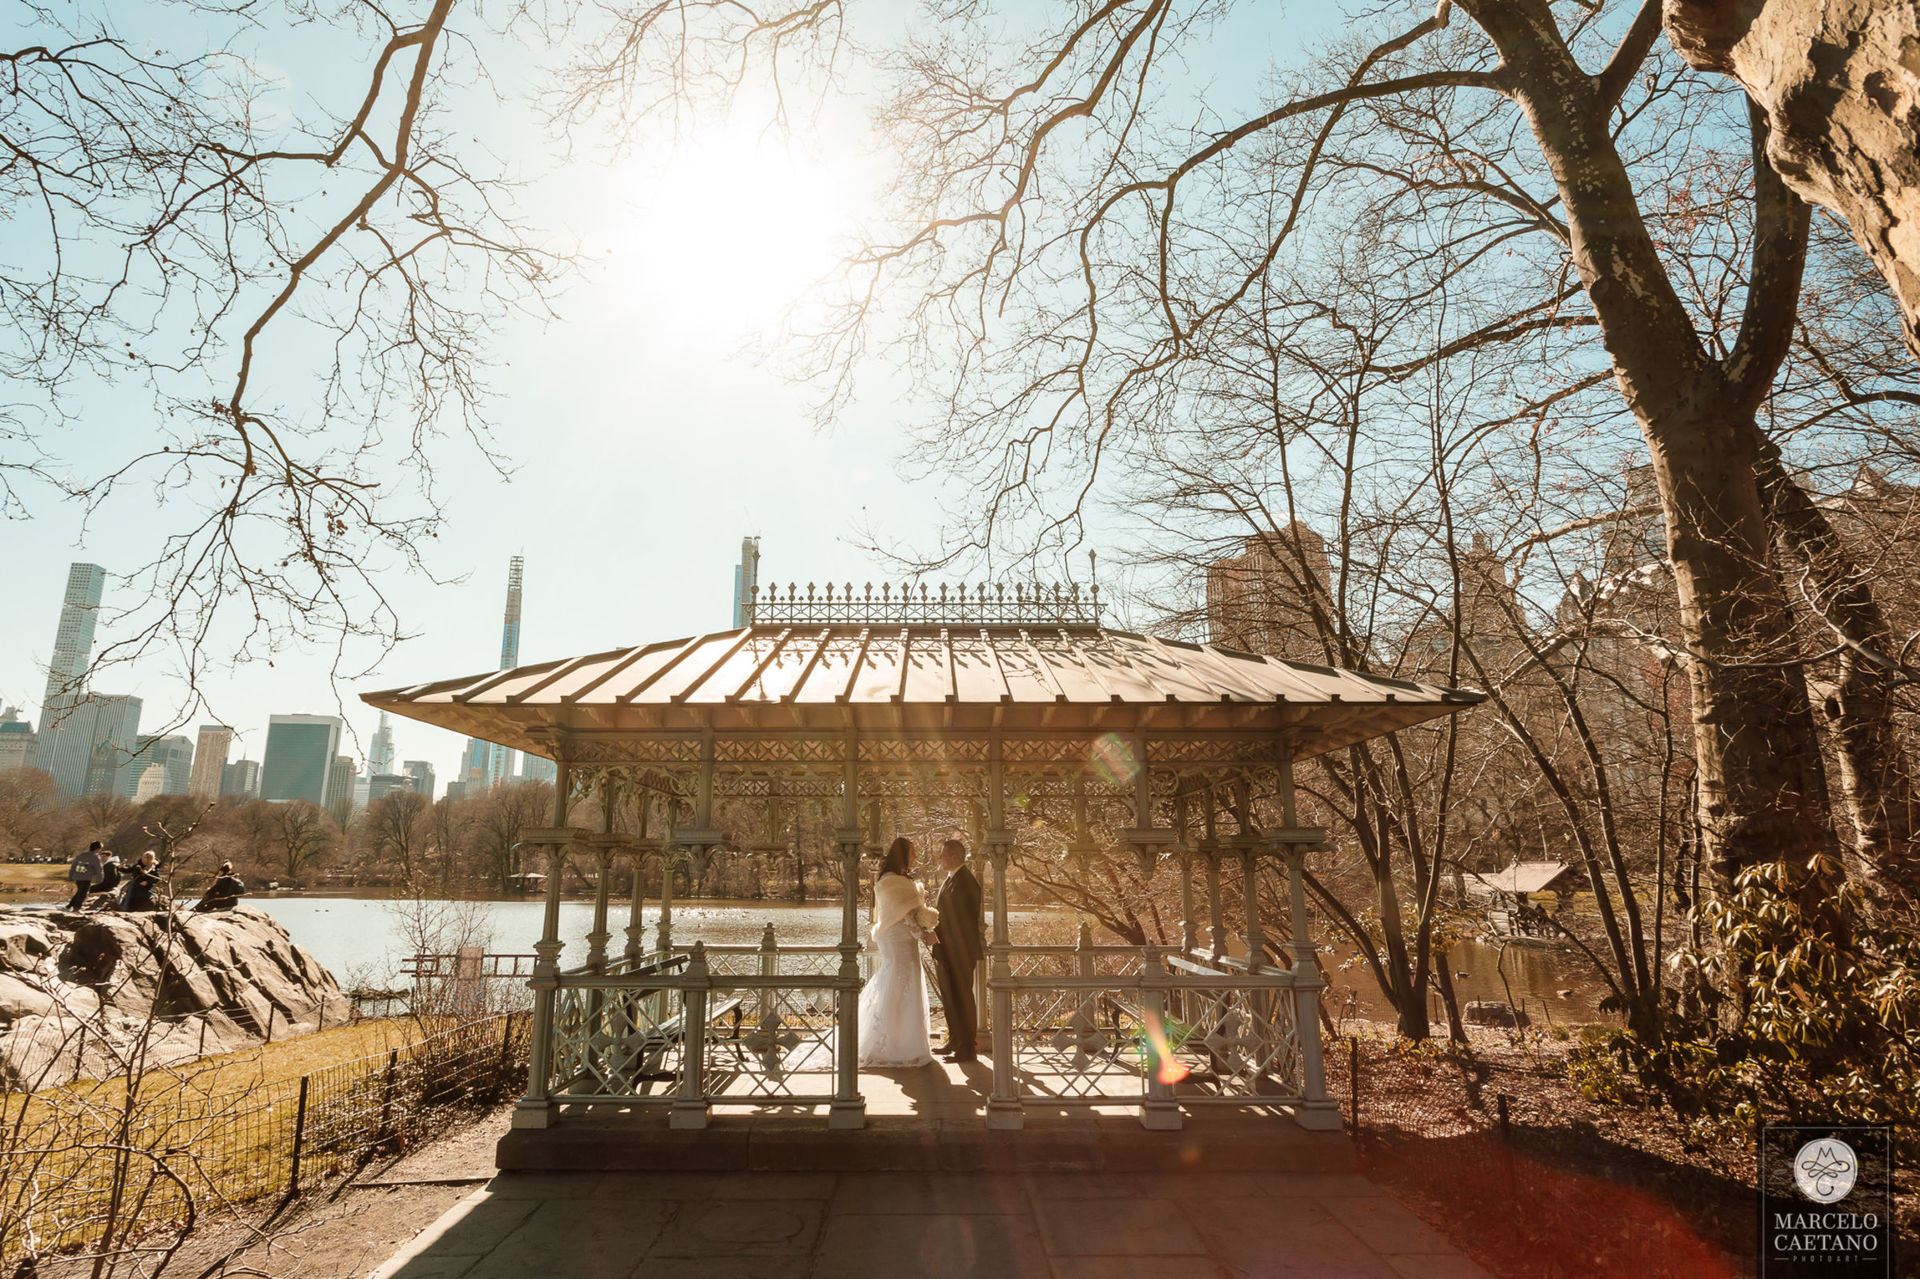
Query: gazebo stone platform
x,y
834,721
929,1120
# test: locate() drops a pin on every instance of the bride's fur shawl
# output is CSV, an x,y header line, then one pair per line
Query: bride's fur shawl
x,y
894,898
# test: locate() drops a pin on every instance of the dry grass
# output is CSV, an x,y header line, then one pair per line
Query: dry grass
x,y
223,1121
292,1058
34,879
190,1138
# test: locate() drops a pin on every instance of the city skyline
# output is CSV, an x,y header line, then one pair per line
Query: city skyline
x,y
205,762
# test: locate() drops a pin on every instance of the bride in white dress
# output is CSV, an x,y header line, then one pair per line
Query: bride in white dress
x,y
893,1008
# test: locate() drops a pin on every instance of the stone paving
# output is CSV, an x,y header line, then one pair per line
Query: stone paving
x,y
929,1225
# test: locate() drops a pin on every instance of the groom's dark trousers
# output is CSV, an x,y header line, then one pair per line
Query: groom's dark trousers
x,y
956,954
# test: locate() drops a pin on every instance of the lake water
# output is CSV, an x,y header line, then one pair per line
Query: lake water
x,y
362,940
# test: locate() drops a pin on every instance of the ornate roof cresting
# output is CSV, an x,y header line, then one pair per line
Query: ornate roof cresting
x,y
1026,604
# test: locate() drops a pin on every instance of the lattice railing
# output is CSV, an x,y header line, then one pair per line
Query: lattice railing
x,y
1236,1042
1085,1024
613,1043
1026,604
1080,1044
787,1048
700,1026
1094,1024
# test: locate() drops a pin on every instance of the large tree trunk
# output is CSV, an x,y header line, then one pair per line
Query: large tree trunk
x,y
1761,785
1857,703
1840,83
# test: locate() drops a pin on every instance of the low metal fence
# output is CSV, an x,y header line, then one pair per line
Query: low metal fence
x,y
167,1147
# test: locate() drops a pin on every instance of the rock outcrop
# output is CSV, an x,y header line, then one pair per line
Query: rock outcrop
x,y
83,994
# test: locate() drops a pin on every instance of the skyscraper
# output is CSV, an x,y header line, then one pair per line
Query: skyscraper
x,y
1263,600
111,725
299,757
169,758
240,779
340,798
381,785
210,761
499,759
64,745
380,752
476,764
746,576
422,774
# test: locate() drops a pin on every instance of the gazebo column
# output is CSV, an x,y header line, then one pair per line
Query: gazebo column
x,y
1189,926
984,1026
637,899
663,932
535,1108
1248,844
1161,1111
1316,1110
603,848
636,929
1210,849
1250,893
598,938
849,1109
1003,1107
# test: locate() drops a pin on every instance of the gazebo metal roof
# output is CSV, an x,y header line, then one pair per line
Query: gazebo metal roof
x,y
923,677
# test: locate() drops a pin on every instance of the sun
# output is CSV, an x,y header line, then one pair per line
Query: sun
x,y
735,224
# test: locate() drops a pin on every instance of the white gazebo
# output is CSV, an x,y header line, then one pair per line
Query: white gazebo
x,y
1002,709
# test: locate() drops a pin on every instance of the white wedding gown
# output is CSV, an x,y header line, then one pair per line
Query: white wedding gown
x,y
894,1029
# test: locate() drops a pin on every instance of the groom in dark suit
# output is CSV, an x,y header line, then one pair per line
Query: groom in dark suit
x,y
957,949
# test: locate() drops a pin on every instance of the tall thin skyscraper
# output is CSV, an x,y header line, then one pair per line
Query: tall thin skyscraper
x,y
746,576
66,739
380,753
500,759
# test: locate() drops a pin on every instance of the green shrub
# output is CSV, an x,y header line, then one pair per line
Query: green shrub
x,y
1806,1004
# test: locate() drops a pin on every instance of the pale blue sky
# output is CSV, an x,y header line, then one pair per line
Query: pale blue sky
x,y
644,448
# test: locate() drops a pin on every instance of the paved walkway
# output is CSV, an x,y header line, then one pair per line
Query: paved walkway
x,y
929,1225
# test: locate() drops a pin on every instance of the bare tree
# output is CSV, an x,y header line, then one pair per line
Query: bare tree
x,y
29,802
1547,146
503,813
305,834
398,827
100,815
187,230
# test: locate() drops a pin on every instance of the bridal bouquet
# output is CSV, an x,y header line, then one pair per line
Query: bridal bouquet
x,y
924,918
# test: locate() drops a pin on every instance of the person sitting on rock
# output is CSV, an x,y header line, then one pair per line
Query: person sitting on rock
x,y
109,880
142,879
224,892
84,871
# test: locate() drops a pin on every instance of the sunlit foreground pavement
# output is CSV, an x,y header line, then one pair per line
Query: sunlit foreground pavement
x,y
775,1225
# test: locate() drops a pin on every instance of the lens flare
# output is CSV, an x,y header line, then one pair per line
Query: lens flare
x,y
1113,760
1167,1068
